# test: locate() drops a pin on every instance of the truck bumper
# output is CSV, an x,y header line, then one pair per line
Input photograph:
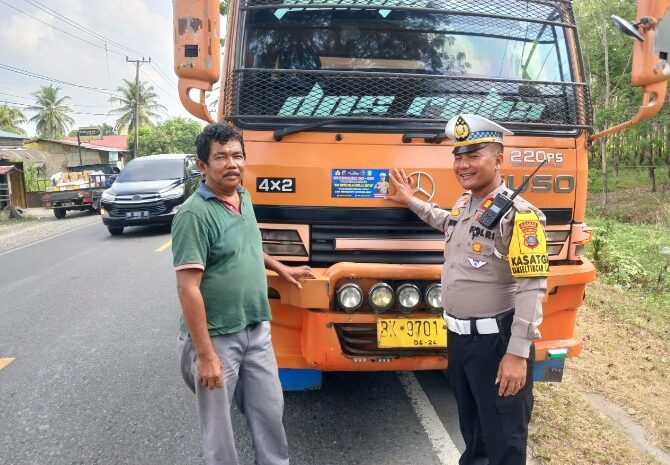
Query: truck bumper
x,y
305,328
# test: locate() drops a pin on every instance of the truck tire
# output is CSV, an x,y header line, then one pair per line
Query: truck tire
x,y
59,213
115,230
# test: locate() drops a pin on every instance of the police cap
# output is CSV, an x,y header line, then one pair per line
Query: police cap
x,y
473,132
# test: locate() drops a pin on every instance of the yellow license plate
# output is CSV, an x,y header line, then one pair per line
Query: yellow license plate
x,y
411,332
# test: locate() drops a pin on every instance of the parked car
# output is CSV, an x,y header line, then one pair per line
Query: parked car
x,y
149,190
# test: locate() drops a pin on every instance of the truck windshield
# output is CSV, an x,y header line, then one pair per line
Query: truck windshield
x,y
409,60
152,170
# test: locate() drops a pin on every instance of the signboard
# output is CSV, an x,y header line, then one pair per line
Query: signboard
x,y
89,131
113,157
359,183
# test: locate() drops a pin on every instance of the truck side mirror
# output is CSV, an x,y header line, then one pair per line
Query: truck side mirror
x,y
650,54
196,51
650,69
627,28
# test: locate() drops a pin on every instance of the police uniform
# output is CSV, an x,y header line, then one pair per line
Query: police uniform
x,y
493,285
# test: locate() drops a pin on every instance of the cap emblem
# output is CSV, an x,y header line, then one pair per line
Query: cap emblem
x,y
462,130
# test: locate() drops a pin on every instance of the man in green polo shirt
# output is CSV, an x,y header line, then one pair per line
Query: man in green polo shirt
x,y
222,286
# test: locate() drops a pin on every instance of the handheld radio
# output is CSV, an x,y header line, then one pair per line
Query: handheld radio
x,y
501,204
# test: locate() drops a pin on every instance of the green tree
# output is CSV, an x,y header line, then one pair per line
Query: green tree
x,y
51,118
147,107
106,129
10,118
174,135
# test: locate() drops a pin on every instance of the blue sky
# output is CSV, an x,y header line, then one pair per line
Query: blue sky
x,y
142,25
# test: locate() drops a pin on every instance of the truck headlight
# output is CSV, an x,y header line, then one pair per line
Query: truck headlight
x,y
381,297
408,297
172,193
350,297
434,297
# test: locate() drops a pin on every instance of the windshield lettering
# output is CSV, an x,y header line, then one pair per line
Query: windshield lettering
x,y
316,103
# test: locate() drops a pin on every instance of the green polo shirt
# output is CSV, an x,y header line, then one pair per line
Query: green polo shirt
x,y
206,234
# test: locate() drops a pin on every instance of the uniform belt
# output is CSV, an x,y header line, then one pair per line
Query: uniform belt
x,y
464,327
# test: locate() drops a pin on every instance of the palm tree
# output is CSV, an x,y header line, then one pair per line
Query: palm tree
x,y
10,118
52,119
146,109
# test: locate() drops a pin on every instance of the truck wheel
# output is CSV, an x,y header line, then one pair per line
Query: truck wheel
x,y
59,213
115,230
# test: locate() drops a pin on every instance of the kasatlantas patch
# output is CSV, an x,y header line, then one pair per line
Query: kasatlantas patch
x,y
528,247
529,229
462,130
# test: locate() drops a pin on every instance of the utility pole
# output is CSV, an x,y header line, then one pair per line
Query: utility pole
x,y
137,96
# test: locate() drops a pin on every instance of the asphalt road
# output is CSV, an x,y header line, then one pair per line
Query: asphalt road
x,y
88,371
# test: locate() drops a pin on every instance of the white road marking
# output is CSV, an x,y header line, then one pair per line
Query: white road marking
x,y
437,434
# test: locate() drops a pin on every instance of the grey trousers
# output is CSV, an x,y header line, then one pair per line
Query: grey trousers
x,y
251,377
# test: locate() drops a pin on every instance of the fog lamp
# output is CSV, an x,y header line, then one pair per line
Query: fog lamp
x,y
408,297
434,297
381,297
350,297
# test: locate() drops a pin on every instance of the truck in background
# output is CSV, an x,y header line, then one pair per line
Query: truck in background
x,y
77,189
332,95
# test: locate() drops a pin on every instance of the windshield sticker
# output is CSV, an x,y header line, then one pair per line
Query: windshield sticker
x,y
359,183
384,12
316,103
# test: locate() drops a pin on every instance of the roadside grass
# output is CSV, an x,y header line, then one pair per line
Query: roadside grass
x,y
628,178
623,361
566,430
625,328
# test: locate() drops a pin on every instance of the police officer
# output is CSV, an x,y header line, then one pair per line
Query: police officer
x,y
493,285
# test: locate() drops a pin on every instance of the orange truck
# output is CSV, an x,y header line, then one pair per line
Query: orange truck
x,y
332,94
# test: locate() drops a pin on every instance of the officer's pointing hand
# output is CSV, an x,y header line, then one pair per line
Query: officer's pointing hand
x,y
511,375
402,186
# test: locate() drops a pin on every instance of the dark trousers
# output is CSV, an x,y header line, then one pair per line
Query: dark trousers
x,y
495,429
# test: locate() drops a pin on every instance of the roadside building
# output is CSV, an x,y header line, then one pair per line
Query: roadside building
x,y
9,140
65,154
12,184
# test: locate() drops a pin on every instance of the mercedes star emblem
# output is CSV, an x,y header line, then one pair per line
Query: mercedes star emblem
x,y
423,184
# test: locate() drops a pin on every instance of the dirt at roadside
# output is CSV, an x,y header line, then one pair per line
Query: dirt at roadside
x,y
38,224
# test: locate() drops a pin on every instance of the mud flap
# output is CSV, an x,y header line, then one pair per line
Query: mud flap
x,y
549,370
300,380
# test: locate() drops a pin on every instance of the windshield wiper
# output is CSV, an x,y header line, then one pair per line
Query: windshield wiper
x,y
280,133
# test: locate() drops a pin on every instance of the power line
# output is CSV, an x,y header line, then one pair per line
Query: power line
x,y
47,78
162,74
58,29
99,36
169,93
33,98
72,23
25,105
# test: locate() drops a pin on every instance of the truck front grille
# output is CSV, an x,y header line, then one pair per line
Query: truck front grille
x,y
324,252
